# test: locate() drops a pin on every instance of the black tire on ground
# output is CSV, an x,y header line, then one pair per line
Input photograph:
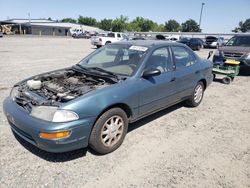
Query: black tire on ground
x,y
109,131
226,80
98,46
108,42
197,95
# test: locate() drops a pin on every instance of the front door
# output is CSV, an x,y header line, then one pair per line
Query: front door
x,y
157,91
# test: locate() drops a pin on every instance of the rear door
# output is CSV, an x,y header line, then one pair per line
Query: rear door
x,y
186,70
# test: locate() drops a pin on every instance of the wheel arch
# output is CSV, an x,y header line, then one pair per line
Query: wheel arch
x,y
122,106
204,83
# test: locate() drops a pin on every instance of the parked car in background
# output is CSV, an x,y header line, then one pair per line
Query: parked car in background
x,y
213,42
138,38
92,102
237,48
82,35
193,43
112,37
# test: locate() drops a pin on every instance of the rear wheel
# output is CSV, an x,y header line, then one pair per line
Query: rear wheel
x,y
226,80
197,95
109,131
98,46
108,42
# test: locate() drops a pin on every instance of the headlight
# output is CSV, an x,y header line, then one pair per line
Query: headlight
x,y
248,56
51,113
218,53
14,92
64,116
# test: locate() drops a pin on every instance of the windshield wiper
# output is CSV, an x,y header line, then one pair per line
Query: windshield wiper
x,y
81,67
102,70
96,71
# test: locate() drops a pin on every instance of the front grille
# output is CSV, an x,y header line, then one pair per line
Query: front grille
x,y
233,55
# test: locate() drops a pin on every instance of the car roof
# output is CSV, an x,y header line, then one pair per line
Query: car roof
x,y
150,43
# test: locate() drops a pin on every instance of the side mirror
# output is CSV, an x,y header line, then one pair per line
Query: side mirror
x,y
151,72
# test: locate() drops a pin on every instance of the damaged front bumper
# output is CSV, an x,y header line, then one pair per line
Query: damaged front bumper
x,y
29,128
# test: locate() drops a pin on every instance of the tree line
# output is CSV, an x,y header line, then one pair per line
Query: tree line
x,y
139,24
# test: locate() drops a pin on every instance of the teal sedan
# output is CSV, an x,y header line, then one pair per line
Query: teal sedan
x,y
92,102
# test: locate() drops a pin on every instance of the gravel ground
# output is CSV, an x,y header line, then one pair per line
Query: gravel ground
x,y
207,146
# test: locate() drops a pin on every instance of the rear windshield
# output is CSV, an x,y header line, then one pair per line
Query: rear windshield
x,y
243,41
211,38
111,35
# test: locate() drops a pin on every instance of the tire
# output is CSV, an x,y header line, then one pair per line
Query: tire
x,y
109,131
197,95
226,80
98,46
108,42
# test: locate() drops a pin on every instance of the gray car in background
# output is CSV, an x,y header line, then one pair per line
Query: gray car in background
x,y
213,42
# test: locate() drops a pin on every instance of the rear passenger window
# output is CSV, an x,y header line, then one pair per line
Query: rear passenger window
x,y
118,35
183,58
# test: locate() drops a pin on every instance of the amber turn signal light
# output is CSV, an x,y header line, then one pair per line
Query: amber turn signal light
x,y
55,135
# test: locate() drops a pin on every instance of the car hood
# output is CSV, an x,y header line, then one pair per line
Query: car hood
x,y
57,87
235,49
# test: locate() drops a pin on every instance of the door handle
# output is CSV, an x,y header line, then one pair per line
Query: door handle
x,y
197,72
173,79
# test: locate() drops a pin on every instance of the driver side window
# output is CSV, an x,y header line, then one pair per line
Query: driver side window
x,y
159,59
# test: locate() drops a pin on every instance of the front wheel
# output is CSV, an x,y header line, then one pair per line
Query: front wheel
x,y
109,131
197,95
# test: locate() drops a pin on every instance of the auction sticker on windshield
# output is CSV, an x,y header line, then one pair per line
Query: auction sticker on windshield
x,y
139,48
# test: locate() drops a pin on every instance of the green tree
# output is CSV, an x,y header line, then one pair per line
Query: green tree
x,y
142,24
159,28
243,26
120,24
105,24
190,26
69,20
172,26
87,21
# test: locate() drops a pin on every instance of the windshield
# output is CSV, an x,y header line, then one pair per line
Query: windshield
x,y
117,58
243,41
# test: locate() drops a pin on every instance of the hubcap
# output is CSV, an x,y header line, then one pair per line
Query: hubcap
x,y
112,131
198,92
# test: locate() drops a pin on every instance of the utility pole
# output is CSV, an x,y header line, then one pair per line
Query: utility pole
x,y
29,17
202,4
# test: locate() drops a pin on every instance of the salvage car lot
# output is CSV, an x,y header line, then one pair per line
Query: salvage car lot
x,y
208,146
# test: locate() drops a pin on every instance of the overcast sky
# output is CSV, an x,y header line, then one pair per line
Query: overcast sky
x,y
218,15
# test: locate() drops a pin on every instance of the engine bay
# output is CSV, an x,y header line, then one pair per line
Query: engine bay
x,y
58,87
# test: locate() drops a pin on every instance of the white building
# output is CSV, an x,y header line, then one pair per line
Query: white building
x,y
47,27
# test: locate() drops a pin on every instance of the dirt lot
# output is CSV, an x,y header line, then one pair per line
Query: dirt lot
x,y
207,146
